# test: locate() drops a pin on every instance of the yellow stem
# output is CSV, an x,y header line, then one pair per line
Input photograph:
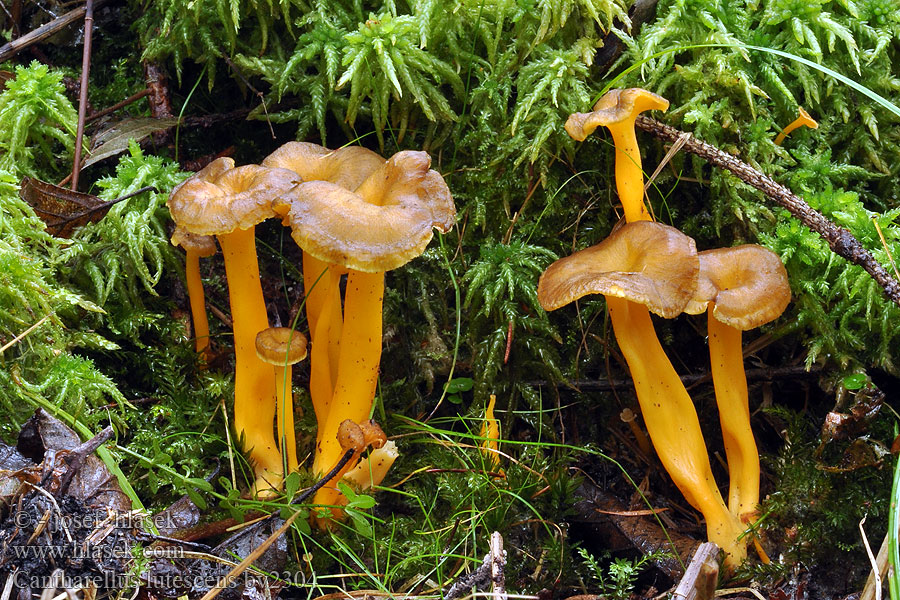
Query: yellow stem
x,y
284,414
254,383
629,176
730,382
360,355
198,302
321,383
672,423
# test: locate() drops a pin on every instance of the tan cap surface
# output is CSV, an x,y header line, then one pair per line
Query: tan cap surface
x,y
280,346
382,225
219,199
204,245
613,107
646,262
347,167
748,285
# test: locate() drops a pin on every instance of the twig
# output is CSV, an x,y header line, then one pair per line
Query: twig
x,y
490,572
83,92
118,105
22,335
9,50
762,374
257,552
699,581
840,240
872,559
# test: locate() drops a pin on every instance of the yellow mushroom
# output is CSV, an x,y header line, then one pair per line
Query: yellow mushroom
x,y
386,222
228,202
740,288
668,411
282,347
804,119
196,247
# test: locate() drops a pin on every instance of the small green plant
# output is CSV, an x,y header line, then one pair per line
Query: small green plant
x,y
618,579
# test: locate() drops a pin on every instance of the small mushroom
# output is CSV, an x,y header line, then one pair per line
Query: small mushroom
x,y
803,119
740,288
617,110
283,347
228,202
196,247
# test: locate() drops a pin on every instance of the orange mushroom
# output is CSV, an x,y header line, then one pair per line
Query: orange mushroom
x,y
346,167
228,202
650,266
283,347
740,288
663,398
803,119
386,222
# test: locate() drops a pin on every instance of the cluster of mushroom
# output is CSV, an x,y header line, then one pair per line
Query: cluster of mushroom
x,y
352,213
644,267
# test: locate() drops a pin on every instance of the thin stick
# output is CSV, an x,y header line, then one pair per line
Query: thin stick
x,y
257,552
83,92
35,36
22,335
118,105
840,240
872,560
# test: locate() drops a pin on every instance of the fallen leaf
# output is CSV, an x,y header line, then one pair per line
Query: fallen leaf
x,y
60,208
114,139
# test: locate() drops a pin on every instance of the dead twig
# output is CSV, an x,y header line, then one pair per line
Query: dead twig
x,y
118,105
9,50
840,240
83,92
699,581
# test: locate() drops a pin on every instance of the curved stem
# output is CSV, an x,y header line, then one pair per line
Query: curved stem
x,y
730,382
197,301
254,381
672,423
629,176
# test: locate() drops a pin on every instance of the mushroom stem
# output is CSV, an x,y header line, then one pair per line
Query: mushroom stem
x,y
629,174
360,355
197,301
803,119
672,422
324,316
730,383
254,383
284,414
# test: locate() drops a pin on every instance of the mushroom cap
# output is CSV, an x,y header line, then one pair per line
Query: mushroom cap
x,y
280,346
615,106
748,285
806,119
382,225
645,262
222,198
347,166
204,245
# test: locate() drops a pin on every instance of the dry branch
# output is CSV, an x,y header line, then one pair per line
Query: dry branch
x,y
839,239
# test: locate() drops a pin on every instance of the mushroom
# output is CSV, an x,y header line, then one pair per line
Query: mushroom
x,y
283,347
740,288
617,110
650,266
346,167
196,247
386,222
490,432
800,121
228,202
358,437
673,423
371,471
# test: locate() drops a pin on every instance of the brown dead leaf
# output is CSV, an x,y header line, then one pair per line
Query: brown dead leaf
x,y
62,209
